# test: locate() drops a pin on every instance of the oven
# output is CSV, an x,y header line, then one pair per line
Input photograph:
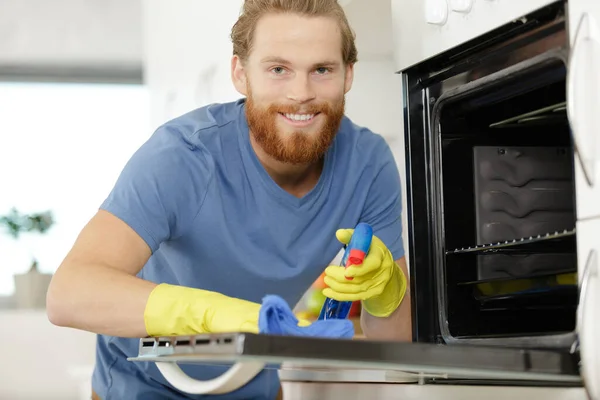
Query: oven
x,y
490,155
500,99
502,177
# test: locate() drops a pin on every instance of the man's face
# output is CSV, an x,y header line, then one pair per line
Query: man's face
x,y
295,82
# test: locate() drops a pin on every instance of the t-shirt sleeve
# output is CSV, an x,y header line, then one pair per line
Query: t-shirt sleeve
x,y
160,190
383,206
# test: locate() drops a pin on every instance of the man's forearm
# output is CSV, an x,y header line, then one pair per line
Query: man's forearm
x,y
98,299
396,327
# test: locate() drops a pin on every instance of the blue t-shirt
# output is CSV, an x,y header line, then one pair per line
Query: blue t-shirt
x,y
214,219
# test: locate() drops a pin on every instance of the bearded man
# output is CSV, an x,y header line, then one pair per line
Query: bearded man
x,y
231,202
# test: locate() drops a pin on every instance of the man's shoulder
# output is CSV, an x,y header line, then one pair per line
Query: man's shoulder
x,y
194,130
209,117
353,137
166,181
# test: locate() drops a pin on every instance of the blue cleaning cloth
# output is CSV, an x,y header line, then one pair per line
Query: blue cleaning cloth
x,y
276,318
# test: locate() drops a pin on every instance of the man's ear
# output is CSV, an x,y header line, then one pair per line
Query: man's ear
x,y
238,75
349,78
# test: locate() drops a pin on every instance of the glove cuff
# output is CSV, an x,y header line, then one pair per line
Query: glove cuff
x,y
389,300
169,311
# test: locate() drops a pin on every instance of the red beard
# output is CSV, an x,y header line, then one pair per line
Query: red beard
x,y
298,147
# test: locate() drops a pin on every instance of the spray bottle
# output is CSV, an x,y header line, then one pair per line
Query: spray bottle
x,y
355,253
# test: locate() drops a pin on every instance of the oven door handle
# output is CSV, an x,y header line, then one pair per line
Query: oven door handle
x,y
234,378
580,130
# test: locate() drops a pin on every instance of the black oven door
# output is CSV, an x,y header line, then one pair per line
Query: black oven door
x,y
247,354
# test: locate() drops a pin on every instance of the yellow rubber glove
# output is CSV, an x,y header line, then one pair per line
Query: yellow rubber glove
x,y
178,310
378,282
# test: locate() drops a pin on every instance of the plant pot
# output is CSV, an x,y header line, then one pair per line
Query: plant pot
x,y
31,288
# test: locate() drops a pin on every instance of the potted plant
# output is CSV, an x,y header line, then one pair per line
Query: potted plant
x,y
30,287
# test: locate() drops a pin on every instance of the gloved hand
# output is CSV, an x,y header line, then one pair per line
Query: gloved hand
x,y
378,282
177,310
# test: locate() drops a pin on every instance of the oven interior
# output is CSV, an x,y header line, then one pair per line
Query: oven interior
x,y
507,200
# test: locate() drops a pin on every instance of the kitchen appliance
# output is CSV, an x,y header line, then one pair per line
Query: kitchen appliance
x,y
503,188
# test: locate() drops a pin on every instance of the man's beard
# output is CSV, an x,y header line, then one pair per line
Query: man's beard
x,y
297,147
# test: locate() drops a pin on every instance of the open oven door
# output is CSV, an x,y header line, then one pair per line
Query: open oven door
x,y
248,354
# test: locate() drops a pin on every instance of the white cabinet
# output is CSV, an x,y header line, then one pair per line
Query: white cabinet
x,y
588,313
583,99
423,29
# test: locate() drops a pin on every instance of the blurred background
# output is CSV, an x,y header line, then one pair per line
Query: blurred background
x,y
83,83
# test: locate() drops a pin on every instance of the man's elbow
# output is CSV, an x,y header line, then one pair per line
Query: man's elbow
x,y
58,308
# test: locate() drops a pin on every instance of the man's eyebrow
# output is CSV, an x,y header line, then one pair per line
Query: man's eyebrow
x,y
283,61
327,64
277,60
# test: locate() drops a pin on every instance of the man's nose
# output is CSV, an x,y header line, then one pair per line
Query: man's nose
x,y
301,89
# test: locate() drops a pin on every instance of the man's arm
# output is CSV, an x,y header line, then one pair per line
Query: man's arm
x,y
95,288
155,196
396,327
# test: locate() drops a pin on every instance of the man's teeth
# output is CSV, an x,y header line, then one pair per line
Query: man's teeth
x,y
300,117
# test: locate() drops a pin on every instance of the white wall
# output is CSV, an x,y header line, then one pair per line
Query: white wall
x,y
188,51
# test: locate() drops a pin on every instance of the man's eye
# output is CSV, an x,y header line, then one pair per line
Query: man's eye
x,y
278,70
322,70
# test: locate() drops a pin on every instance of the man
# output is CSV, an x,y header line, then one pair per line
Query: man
x,y
231,202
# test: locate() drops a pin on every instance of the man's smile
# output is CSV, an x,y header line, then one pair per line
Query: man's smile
x,y
299,120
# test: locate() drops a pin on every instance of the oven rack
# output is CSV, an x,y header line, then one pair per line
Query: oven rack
x,y
514,243
554,112
512,278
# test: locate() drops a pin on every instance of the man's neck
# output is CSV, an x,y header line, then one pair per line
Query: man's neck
x,y
296,179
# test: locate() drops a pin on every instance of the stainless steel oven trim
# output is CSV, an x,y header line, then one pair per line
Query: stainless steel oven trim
x,y
561,340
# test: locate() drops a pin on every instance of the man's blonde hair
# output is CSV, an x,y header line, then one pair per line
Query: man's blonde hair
x,y
242,33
